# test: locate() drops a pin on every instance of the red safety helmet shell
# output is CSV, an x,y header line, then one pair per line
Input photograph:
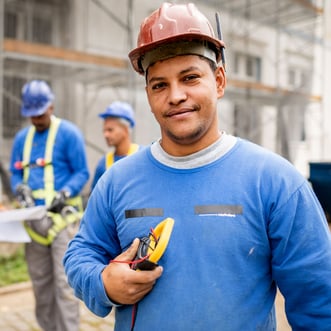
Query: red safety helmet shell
x,y
171,23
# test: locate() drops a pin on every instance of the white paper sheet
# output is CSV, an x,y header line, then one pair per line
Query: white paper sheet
x,y
13,232
11,223
24,214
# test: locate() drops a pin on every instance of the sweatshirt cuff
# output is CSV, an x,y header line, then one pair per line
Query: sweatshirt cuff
x,y
104,297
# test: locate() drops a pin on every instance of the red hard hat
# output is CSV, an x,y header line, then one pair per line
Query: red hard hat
x,y
172,24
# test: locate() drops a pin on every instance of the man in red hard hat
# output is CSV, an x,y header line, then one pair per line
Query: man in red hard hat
x,y
245,221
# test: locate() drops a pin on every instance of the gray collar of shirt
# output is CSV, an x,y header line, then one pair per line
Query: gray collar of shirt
x,y
198,159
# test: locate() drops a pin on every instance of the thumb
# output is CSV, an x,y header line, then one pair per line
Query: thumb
x,y
130,253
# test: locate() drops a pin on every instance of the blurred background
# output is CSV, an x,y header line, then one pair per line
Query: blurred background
x,y
278,65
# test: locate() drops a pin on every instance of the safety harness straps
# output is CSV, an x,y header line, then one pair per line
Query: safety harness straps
x,y
60,222
48,192
49,169
27,152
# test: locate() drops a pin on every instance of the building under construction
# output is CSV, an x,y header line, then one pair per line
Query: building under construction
x,y
278,65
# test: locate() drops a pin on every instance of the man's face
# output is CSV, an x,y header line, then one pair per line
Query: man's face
x,y
114,131
43,121
182,92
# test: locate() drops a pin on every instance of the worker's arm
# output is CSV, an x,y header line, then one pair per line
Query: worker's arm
x,y
90,259
301,259
69,159
17,155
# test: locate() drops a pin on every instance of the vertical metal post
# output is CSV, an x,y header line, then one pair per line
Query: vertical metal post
x,y
282,143
326,100
2,28
131,75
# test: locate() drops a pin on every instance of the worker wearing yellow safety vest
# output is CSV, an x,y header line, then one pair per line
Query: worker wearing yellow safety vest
x,y
118,123
49,167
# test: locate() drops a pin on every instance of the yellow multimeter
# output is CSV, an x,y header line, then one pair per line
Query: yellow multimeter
x,y
151,248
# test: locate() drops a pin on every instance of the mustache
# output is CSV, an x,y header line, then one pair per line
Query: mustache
x,y
180,110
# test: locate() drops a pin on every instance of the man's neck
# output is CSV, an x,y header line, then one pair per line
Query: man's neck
x,y
123,148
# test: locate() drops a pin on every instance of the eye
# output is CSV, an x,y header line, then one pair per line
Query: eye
x,y
158,86
190,77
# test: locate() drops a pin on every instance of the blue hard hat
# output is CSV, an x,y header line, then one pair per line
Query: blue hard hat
x,y
119,109
37,96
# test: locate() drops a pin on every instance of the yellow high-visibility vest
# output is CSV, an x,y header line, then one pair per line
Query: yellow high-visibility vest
x,y
48,192
110,156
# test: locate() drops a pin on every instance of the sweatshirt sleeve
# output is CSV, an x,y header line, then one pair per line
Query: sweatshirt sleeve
x,y
301,260
70,160
90,252
17,155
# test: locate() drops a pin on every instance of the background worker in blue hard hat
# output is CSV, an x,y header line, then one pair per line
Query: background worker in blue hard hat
x,y
118,122
49,167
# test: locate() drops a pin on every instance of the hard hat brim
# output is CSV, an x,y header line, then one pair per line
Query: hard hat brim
x,y
136,54
107,115
29,112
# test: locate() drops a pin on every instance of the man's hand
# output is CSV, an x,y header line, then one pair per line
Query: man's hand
x,y
23,195
125,285
59,202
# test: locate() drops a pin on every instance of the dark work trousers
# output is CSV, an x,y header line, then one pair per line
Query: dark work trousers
x,y
56,307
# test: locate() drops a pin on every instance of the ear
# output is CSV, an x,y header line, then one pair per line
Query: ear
x,y
51,109
220,81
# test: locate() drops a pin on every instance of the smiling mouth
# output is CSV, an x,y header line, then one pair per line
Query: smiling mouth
x,y
174,113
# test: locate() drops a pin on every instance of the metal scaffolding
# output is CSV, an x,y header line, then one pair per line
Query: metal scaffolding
x,y
26,53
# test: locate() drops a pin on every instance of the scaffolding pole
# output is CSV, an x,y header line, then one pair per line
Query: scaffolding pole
x,y
2,28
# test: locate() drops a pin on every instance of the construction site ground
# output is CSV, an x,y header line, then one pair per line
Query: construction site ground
x,y
17,312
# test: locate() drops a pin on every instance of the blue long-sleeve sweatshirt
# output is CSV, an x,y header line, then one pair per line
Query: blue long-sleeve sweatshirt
x,y
245,222
69,159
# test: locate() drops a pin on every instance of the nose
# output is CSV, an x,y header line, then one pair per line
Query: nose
x,y
107,134
177,94
36,120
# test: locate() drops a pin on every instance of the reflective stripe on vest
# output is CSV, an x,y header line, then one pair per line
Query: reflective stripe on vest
x,y
48,192
110,156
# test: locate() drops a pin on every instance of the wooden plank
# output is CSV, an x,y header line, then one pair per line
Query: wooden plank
x,y
309,5
51,52
270,89
47,51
